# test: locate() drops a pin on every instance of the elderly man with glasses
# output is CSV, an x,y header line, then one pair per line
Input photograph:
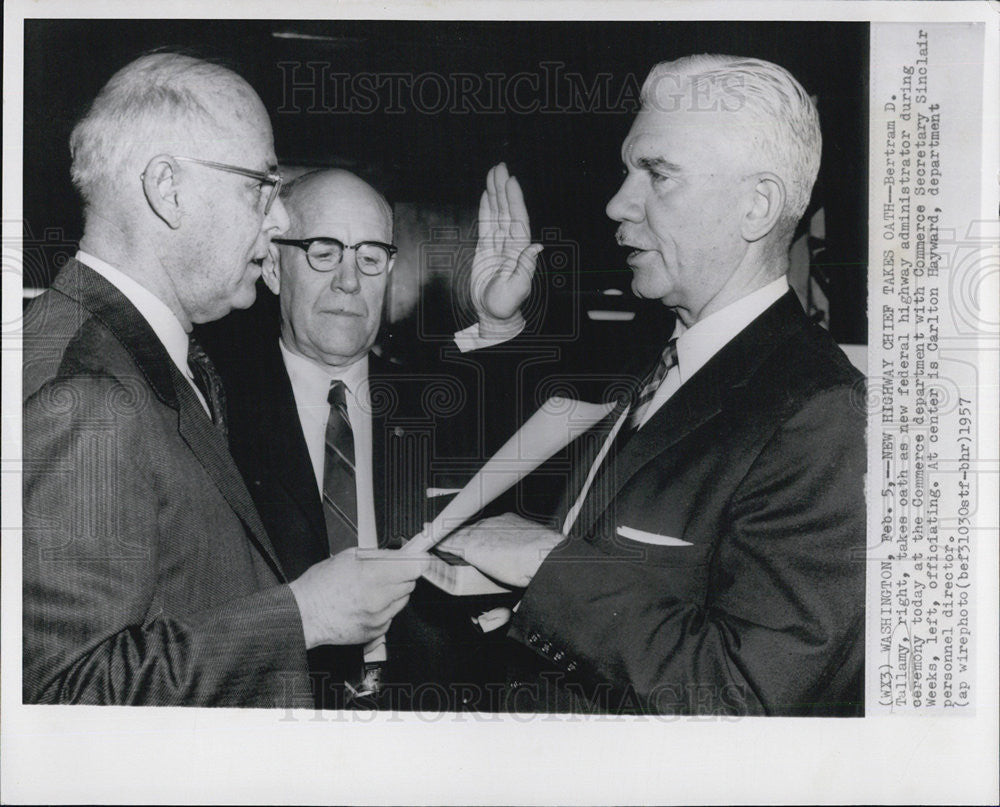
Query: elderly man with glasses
x,y
148,575
345,451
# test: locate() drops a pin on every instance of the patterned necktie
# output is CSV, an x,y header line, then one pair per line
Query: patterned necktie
x,y
207,379
340,492
667,360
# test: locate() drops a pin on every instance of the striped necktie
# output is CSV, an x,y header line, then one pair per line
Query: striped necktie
x,y
209,383
667,360
340,492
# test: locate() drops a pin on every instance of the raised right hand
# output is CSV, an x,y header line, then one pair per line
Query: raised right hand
x,y
505,259
352,597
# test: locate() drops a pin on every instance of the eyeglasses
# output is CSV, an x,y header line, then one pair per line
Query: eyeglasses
x,y
325,254
271,178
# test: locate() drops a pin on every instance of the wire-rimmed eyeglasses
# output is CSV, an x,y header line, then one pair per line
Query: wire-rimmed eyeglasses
x,y
265,178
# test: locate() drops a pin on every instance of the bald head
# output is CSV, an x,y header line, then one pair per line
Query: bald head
x,y
334,194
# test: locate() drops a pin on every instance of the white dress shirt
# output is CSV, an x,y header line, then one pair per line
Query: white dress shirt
x,y
311,387
469,339
699,343
161,319
695,347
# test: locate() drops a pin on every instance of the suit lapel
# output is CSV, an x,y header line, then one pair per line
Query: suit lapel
x,y
209,446
379,375
695,403
581,455
283,447
122,318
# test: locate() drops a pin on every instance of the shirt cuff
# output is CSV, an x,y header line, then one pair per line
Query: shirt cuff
x,y
468,339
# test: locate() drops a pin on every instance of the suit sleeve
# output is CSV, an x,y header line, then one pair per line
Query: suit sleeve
x,y
782,616
95,630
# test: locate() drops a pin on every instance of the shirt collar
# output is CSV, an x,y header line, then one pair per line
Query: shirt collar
x,y
161,319
699,343
314,378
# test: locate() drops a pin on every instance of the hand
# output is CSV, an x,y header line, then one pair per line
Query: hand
x,y
352,597
508,547
505,259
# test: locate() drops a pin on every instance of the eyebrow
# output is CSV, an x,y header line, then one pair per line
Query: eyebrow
x,y
658,163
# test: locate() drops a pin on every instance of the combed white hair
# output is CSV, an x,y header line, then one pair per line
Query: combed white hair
x,y
157,98
776,114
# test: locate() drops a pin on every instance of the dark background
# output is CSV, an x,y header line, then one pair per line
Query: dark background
x,y
566,159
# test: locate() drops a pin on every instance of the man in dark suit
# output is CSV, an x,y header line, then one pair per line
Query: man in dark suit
x,y
411,435
148,576
712,559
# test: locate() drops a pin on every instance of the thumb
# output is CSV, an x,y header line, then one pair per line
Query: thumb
x,y
527,261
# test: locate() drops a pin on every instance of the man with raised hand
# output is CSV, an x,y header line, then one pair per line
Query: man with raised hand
x,y
341,448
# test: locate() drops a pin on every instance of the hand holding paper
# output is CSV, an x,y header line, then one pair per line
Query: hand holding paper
x,y
352,597
556,423
508,548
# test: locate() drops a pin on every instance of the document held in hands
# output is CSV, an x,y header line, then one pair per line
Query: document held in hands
x,y
554,426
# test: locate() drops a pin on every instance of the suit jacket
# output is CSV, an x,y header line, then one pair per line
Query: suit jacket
x,y
756,464
148,576
426,432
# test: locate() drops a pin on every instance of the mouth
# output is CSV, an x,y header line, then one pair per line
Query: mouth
x,y
342,312
635,250
634,255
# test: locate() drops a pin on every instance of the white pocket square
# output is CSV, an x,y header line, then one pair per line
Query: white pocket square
x,y
651,537
435,492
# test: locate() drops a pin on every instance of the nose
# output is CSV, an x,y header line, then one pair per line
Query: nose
x,y
625,205
276,222
346,276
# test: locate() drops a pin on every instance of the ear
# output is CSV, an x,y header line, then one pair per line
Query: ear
x,y
159,183
766,203
392,262
271,269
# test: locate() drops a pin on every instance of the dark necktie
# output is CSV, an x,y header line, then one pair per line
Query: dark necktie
x,y
340,507
340,492
597,497
667,360
207,379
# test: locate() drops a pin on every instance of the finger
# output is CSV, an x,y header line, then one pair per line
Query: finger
x,y
494,192
455,544
501,178
517,210
485,218
491,191
394,572
395,589
496,179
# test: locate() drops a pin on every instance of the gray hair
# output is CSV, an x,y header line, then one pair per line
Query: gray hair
x,y
156,98
774,106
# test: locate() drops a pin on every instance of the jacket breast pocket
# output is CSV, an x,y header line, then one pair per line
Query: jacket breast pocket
x,y
655,549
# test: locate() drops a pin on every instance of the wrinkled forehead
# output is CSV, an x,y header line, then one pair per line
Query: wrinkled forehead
x,y
345,211
683,136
